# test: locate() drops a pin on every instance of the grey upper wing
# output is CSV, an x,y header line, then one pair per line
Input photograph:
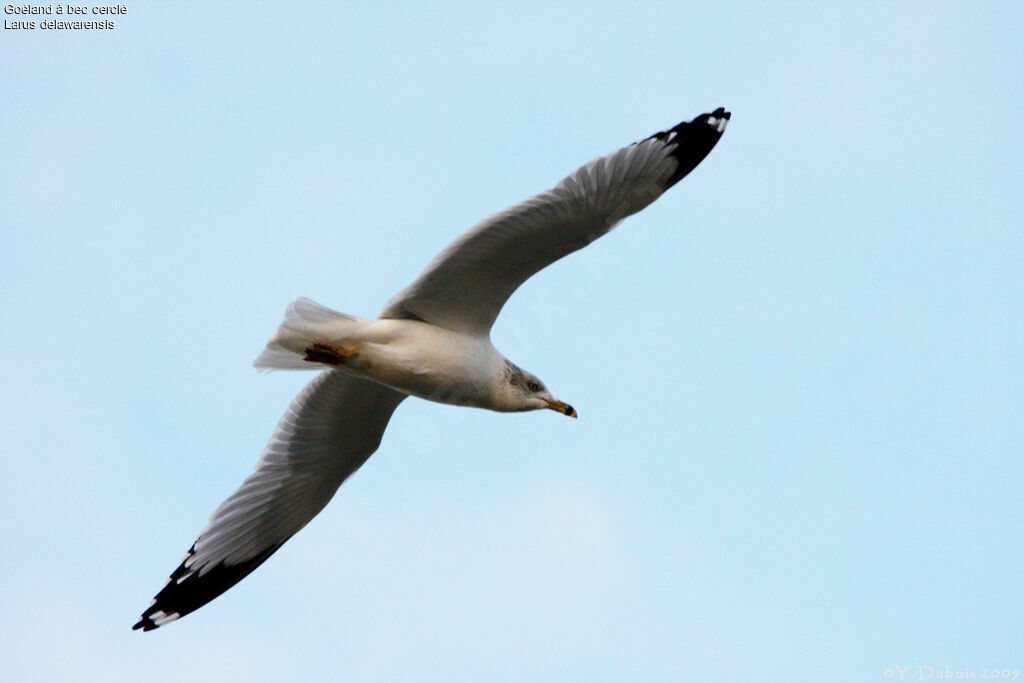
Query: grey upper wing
x,y
466,285
331,428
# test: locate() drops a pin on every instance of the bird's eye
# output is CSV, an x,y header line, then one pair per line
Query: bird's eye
x,y
533,386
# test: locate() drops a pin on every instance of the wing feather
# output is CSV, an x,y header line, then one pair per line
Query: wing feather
x,y
327,433
466,285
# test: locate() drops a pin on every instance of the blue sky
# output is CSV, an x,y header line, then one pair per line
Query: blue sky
x,y
800,453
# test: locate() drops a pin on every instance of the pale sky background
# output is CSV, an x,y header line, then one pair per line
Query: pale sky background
x,y
800,452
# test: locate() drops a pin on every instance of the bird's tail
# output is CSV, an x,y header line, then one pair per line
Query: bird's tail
x,y
306,324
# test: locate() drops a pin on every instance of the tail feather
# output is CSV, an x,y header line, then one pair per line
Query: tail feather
x,y
304,310
305,323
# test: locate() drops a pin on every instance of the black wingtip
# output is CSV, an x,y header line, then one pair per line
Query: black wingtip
x,y
187,590
146,624
693,141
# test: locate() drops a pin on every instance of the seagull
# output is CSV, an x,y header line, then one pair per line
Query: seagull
x,y
432,340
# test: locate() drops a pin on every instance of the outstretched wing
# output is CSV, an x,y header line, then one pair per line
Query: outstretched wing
x,y
329,431
465,286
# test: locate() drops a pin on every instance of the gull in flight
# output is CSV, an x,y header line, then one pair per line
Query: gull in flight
x,y
432,340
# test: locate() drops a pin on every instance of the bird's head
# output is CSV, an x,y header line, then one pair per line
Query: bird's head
x,y
522,391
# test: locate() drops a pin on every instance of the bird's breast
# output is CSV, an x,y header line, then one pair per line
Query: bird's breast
x,y
429,362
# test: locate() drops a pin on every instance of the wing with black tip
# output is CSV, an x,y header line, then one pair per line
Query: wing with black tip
x,y
329,431
465,286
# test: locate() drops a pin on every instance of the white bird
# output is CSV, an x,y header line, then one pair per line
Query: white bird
x,y
432,340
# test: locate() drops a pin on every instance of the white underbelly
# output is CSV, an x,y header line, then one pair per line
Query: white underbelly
x,y
428,362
